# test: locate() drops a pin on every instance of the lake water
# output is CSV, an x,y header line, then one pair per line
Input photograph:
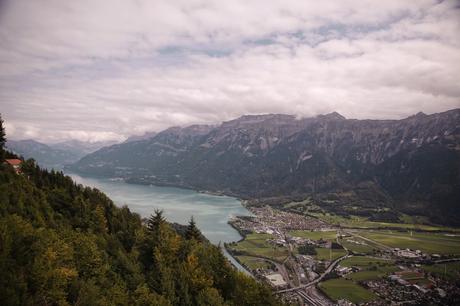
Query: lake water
x,y
210,212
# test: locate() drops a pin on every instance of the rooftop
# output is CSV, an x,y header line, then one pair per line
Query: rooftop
x,y
13,162
276,279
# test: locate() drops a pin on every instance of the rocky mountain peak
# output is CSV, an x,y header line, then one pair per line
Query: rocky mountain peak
x,y
248,120
332,116
403,161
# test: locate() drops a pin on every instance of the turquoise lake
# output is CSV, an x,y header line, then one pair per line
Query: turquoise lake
x,y
210,212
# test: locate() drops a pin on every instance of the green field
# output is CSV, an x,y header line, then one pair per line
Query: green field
x,y
371,268
315,235
372,274
364,261
257,245
253,263
362,222
342,288
415,278
449,270
326,254
426,242
365,248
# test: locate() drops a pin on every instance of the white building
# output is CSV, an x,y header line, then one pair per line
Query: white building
x,y
276,280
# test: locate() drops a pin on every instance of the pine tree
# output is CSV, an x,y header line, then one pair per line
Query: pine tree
x,y
2,139
192,231
155,221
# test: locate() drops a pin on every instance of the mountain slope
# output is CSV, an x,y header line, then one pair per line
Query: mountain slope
x,y
65,244
81,148
145,136
45,155
54,155
410,164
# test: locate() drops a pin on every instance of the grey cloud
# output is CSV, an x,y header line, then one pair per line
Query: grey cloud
x,y
95,70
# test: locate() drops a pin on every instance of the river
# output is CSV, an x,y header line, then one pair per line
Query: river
x,y
210,212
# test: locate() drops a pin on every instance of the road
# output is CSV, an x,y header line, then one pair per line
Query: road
x,y
281,269
319,278
446,260
300,289
385,247
308,299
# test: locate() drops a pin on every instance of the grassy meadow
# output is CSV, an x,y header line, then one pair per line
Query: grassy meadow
x,y
253,263
315,235
365,223
328,254
257,245
426,242
341,288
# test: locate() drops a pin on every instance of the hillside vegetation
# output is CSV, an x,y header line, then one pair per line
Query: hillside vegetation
x,y
66,244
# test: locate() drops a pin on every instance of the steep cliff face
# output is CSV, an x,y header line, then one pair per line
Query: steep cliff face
x,y
410,164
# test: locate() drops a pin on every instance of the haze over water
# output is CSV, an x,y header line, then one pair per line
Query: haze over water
x,y
211,212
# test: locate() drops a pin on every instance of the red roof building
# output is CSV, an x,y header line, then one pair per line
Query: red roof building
x,y
15,163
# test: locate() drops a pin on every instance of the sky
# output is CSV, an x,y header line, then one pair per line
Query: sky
x,y
96,70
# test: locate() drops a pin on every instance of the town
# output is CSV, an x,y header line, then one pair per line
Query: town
x,y
308,261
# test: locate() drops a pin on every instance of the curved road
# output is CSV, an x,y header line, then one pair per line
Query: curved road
x,y
318,279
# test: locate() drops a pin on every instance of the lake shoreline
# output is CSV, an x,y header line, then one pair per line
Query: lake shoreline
x,y
211,212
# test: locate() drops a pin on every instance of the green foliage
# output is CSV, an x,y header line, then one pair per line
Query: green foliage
x,y
64,244
258,245
192,232
2,139
341,288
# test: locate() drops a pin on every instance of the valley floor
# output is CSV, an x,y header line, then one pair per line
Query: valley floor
x,y
311,261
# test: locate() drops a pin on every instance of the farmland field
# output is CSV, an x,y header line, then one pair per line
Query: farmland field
x,y
253,263
357,245
346,289
373,274
371,268
363,261
315,235
449,270
364,223
257,245
327,254
426,242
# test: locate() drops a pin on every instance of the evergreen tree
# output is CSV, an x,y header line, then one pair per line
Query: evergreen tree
x,y
65,244
2,139
192,231
155,221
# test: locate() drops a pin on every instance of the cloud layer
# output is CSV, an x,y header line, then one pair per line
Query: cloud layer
x,y
103,70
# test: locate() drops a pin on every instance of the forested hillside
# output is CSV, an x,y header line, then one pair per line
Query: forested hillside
x,y
65,244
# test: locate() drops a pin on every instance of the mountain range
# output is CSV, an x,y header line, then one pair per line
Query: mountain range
x,y
409,165
54,155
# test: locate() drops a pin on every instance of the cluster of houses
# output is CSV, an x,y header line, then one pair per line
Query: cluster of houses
x,y
408,253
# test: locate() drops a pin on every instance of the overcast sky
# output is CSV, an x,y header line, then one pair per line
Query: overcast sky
x,y
104,70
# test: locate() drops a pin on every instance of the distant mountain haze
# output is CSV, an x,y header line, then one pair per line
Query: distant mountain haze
x,y
411,165
54,155
144,136
82,147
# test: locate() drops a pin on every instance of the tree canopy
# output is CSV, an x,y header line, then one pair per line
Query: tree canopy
x,y
2,139
65,244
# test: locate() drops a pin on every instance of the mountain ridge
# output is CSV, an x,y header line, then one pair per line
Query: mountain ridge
x,y
54,155
381,163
